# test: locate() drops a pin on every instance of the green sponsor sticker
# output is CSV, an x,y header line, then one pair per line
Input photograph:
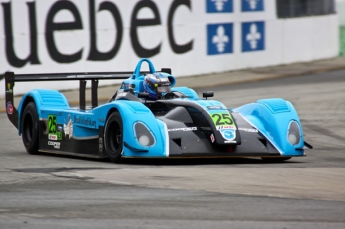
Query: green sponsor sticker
x,y
52,127
51,124
59,135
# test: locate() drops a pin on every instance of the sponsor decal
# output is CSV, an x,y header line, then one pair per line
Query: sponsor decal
x,y
225,127
222,120
85,121
55,144
215,107
212,138
53,137
53,133
224,123
9,108
68,128
184,129
228,134
9,89
101,119
123,94
248,130
60,127
59,131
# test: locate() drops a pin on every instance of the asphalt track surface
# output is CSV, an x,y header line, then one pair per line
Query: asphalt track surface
x,y
50,191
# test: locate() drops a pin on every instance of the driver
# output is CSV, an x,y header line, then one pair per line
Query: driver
x,y
156,84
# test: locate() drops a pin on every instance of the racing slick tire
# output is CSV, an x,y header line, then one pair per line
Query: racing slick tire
x,y
275,159
113,137
29,127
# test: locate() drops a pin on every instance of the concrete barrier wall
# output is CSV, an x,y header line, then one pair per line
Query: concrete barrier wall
x,y
191,37
340,6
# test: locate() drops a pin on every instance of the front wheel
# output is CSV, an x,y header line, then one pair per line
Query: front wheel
x,y
113,137
29,128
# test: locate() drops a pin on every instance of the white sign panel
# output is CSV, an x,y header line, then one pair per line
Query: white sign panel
x,y
191,37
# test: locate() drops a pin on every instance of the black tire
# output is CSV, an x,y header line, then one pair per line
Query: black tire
x,y
113,137
29,127
275,159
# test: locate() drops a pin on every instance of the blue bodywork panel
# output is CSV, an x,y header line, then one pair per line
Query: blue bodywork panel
x,y
272,117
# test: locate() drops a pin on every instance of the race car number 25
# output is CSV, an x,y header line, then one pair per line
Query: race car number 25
x,y
51,124
222,119
53,134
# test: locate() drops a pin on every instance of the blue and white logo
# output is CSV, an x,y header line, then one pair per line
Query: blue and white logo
x,y
228,134
219,6
252,5
253,36
219,38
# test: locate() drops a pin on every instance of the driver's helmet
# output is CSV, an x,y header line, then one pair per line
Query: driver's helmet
x,y
156,84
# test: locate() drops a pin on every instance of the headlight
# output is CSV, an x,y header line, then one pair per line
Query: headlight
x,y
143,134
144,140
294,135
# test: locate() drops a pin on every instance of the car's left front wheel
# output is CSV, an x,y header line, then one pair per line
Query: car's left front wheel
x,y
113,137
29,128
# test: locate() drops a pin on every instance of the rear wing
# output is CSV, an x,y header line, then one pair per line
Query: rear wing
x,y
94,77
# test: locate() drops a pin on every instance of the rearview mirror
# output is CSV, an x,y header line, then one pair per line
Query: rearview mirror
x,y
207,94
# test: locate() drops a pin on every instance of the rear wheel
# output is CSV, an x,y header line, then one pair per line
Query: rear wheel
x,y
275,159
113,137
29,128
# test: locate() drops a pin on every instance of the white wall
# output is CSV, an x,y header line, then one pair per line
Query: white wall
x,y
284,40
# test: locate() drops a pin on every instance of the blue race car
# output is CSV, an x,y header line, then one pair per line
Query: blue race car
x,y
150,118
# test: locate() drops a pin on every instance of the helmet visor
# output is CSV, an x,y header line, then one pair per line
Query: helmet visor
x,y
163,89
